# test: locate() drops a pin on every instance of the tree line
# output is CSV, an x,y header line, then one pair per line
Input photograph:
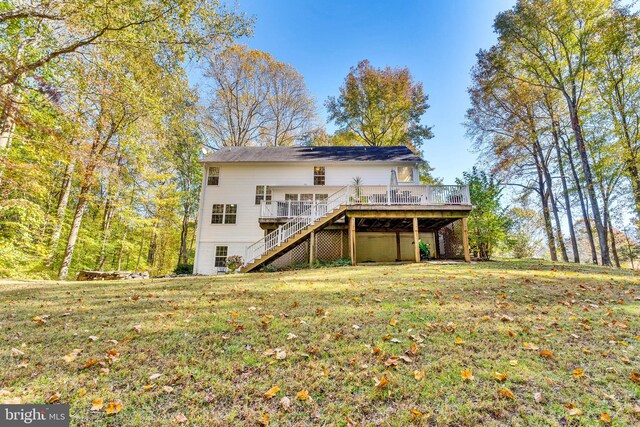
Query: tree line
x,y
555,107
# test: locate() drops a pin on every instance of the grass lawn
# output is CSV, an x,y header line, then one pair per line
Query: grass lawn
x,y
539,343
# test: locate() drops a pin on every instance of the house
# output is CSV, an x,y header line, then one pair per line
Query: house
x,y
287,205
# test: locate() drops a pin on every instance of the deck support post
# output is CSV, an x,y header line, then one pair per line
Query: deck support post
x,y
352,240
436,241
398,254
312,248
416,237
465,240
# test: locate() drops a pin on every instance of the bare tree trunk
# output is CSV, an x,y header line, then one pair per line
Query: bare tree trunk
x,y
183,257
614,249
565,193
106,226
61,209
585,216
121,251
586,169
544,198
75,228
7,123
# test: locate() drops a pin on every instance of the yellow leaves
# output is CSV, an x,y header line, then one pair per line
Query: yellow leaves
x,y
272,392
113,407
459,341
506,393
635,377
264,420
393,321
604,418
54,398
82,392
500,377
513,362
415,414
576,412
577,373
97,404
467,375
530,346
302,395
418,375
546,354
381,382
40,320
72,356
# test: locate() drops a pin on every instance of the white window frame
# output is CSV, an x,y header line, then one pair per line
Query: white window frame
x,y
412,176
216,256
213,172
226,207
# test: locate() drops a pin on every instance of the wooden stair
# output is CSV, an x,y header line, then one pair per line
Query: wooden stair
x,y
322,222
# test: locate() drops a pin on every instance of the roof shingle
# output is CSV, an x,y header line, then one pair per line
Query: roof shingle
x,y
312,154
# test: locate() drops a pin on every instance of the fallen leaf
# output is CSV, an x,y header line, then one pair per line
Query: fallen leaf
x,y
72,356
393,321
635,377
466,375
546,354
15,352
93,338
530,346
538,397
90,363
285,402
167,389
291,336
499,376
418,375
55,397
113,407
575,412
605,418
302,395
180,418
82,392
97,404
154,376
459,341
577,373
506,393
381,382
137,328
281,355
272,392
513,362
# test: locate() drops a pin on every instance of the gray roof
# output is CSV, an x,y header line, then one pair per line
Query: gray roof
x,y
312,154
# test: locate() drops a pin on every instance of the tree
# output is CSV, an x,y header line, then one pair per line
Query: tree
x,y
488,222
255,100
549,44
381,106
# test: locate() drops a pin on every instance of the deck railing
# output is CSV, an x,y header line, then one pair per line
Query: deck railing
x,y
423,195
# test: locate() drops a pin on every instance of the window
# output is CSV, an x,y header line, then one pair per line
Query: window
x,y
318,175
217,214
322,197
221,256
306,197
263,192
230,214
213,176
224,214
405,174
292,197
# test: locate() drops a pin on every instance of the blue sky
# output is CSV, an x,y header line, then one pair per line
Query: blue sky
x,y
437,40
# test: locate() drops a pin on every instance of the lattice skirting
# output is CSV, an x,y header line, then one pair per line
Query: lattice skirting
x,y
330,245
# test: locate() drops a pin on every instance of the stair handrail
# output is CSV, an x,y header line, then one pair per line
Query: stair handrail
x,y
295,225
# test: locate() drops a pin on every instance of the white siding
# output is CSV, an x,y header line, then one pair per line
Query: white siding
x,y
237,185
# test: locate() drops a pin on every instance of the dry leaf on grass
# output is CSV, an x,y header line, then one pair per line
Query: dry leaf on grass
x,y
113,407
302,395
180,418
97,404
381,382
506,393
466,375
499,376
285,402
53,398
272,392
